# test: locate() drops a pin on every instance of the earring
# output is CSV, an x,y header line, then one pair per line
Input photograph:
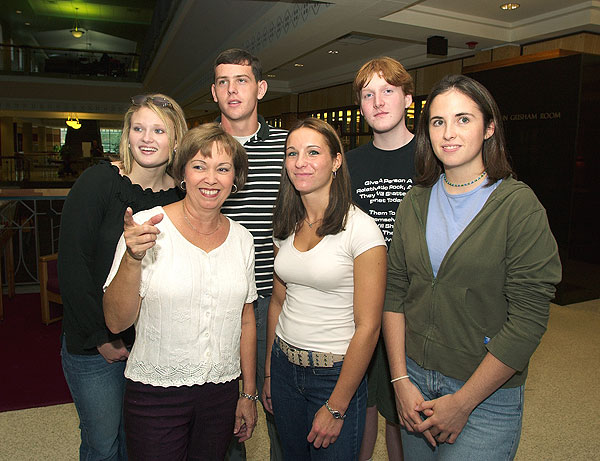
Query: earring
x,y
334,172
182,184
234,189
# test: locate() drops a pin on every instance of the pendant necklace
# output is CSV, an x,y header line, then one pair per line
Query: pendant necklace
x,y
193,227
311,224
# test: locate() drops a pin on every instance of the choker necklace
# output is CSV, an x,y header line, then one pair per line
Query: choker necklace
x,y
465,184
192,226
311,224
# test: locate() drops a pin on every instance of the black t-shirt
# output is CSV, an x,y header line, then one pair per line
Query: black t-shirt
x,y
380,180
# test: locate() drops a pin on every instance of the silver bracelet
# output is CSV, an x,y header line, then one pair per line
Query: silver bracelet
x,y
399,378
249,397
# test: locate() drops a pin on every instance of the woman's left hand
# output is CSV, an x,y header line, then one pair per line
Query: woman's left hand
x,y
325,429
447,417
245,419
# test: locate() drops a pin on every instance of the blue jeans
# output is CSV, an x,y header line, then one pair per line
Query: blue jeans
x,y
237,451
97,388
297,394
493,429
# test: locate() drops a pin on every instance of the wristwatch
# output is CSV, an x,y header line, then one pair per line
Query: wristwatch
x,y
336,414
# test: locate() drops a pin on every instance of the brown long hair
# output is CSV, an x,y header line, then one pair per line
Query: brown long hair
x,y
289,210
494,153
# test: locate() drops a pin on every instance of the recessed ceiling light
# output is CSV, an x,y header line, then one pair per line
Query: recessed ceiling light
x,y
18,11
298,65
27,23
333,52
510,6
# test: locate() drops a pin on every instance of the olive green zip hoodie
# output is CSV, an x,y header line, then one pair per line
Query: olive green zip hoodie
x,y
492,290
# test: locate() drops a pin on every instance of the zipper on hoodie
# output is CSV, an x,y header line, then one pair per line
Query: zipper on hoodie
x,y
431,318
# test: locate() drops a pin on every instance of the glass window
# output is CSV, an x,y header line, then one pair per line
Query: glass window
x,y
110,140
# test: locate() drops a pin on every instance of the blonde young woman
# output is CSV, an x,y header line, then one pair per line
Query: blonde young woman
x,y
93,358
184,275
325,313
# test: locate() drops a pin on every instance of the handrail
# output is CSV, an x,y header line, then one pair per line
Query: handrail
x,y
74,50
46,61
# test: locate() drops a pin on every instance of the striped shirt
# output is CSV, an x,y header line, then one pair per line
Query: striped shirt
x,y
253,205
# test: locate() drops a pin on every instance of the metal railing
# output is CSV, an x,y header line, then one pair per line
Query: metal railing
x,y
52,62
35,221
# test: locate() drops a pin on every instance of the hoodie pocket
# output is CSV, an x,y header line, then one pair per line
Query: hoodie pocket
x,y
458,325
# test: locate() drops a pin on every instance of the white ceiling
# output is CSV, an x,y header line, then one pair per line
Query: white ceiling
x,y
283,33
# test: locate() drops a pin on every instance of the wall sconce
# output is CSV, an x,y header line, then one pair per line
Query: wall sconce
x,y
76,31
73,121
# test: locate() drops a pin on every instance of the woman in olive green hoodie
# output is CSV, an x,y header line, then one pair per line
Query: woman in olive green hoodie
x,y
471,272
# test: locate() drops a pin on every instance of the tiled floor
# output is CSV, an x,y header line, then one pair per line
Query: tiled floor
x,y
562,403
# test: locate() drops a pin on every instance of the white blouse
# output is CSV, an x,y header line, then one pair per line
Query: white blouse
x,y
189,326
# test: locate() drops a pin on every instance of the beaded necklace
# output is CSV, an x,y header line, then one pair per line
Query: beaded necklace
x,y
465,184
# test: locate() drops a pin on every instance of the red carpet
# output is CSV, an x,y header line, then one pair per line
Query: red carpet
x,y
31,371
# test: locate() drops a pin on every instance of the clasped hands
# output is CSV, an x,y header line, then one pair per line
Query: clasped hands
x,y
139,238
439,420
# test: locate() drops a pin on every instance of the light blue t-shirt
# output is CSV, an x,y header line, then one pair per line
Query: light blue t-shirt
x,y
448,216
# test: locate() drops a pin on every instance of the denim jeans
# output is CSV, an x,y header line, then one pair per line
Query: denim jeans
x,y
297,394
97,388
493,429
237,451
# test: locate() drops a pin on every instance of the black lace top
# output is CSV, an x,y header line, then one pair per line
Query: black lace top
x,y
91,224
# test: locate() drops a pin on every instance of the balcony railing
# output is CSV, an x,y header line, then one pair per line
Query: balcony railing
x,y
61,62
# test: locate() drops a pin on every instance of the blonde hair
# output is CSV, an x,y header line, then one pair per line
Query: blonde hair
x,y
171,115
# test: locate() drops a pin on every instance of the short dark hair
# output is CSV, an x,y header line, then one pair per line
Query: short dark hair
x,y
241,58
494,152
201,139
389,69
289,210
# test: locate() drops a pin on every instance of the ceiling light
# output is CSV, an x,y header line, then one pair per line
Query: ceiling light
x,y
73,121
333,52
18,12
27,23
271,75
76,31
298,65
510,6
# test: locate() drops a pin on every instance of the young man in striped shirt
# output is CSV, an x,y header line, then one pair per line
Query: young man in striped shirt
x,y
237,88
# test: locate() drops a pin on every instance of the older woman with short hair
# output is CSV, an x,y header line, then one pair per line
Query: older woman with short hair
x,y
183,274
